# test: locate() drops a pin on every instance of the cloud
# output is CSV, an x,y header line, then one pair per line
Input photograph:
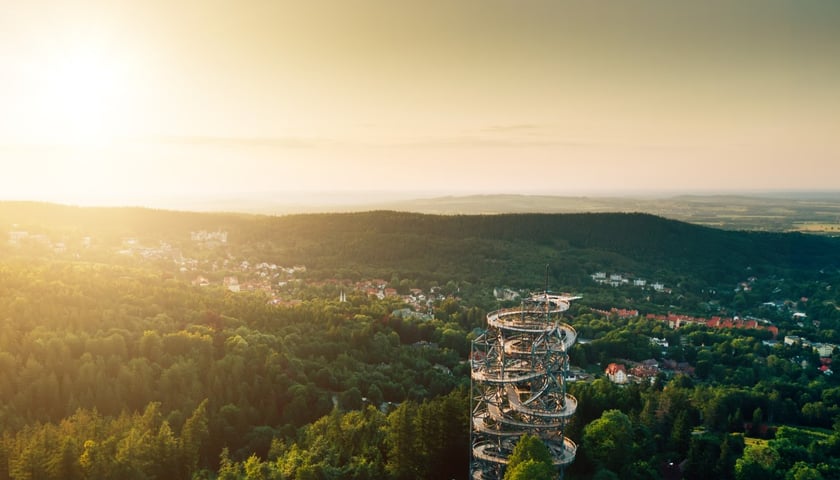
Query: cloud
x,y
238,142
501,136
478,141
522,127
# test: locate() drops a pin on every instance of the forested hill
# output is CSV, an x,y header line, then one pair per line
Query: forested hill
x,y
571,240
137,343
512,248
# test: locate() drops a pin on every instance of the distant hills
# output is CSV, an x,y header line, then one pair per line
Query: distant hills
x,y
505,249
812,212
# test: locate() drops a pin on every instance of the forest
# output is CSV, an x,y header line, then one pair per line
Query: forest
x,y
114,365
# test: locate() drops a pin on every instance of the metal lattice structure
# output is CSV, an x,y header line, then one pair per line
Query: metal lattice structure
x,y
519,366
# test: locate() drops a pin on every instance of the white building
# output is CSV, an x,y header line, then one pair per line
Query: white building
x,y
616,373
232,284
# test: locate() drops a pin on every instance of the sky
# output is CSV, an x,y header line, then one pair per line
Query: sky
x,y
124,102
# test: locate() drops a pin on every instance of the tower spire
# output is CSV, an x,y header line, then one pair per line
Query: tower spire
x,y
546,279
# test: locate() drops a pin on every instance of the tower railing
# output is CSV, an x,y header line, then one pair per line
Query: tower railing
x,y
518,384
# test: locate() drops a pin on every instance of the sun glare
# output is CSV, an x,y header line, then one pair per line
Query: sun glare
x,y
80,101
80,95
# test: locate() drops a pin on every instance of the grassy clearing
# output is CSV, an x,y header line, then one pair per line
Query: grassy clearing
x,y
751,441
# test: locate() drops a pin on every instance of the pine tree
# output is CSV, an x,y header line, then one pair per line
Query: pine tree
x,y
193,435
402,458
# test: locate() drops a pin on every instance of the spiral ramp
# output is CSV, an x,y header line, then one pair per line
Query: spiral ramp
x,y
518,384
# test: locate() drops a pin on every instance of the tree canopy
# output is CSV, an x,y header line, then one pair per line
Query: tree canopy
x,y
530,458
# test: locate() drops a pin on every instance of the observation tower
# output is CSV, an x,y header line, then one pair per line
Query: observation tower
x,y
518,384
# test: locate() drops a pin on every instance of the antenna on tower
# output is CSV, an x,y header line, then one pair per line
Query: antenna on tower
x,y
545,295
546,279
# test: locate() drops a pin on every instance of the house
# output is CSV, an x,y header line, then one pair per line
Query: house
x,y
205,236
624,313
616,373
505,294
232,284
16,237
824,349
645,371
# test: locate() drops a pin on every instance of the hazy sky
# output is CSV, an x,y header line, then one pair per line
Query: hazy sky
x,y
115,100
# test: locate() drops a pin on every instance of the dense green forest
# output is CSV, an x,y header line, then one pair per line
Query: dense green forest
x,y
117,370
510,249
113,364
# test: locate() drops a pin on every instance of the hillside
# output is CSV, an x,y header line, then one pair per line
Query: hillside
x,y
142,343
814,212
508,248
776,211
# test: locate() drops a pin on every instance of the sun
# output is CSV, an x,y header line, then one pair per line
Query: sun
x,y
79,101
80,96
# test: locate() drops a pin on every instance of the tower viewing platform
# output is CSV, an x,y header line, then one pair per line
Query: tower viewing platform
x,y
518,371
